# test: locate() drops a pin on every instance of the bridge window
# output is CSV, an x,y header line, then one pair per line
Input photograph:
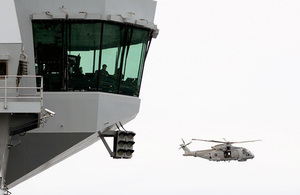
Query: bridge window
x,y
90,55
3,68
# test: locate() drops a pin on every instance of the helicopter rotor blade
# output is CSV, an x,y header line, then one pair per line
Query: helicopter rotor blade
x,y
246,141
223,142
226,142
183,141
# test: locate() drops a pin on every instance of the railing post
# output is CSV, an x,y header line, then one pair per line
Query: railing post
x,y
41,91
5,92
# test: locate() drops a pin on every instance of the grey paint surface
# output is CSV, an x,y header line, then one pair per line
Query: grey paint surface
x,y
38,149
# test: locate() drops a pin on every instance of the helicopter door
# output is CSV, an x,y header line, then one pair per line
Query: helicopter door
x,y
227,154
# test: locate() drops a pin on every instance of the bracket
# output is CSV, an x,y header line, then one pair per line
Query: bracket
x,y
107,134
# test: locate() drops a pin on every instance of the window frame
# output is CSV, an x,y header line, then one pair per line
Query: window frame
x,y
129,28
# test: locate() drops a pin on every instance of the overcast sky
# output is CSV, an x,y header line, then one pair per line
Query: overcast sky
x,y
218,69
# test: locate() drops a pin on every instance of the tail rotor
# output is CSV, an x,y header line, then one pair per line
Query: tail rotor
x,y
184,144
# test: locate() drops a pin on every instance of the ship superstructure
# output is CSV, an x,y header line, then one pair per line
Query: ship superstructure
x,y
70,74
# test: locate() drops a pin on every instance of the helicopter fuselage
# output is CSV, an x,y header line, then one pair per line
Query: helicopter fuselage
x,y
221,152
225,154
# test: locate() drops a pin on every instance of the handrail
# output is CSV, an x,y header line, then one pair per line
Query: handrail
x,y
21,95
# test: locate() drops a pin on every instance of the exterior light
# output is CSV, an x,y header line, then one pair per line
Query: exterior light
x,y
123,144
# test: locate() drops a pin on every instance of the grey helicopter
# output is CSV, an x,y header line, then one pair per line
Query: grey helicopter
x,y
224,151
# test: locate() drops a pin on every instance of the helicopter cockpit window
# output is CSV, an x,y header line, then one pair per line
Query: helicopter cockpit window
x,y
76,55
248,153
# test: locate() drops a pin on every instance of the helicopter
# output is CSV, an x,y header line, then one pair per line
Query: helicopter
x,y
224,151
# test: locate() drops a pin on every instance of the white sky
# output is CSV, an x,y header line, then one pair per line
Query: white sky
x,y
218,69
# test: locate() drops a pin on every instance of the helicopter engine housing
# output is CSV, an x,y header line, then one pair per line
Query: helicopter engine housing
x,y
223,147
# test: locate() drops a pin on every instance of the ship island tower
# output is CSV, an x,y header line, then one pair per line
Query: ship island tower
x,y
70,75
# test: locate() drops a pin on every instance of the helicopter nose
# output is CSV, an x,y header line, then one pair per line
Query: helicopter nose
x,y
251,155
